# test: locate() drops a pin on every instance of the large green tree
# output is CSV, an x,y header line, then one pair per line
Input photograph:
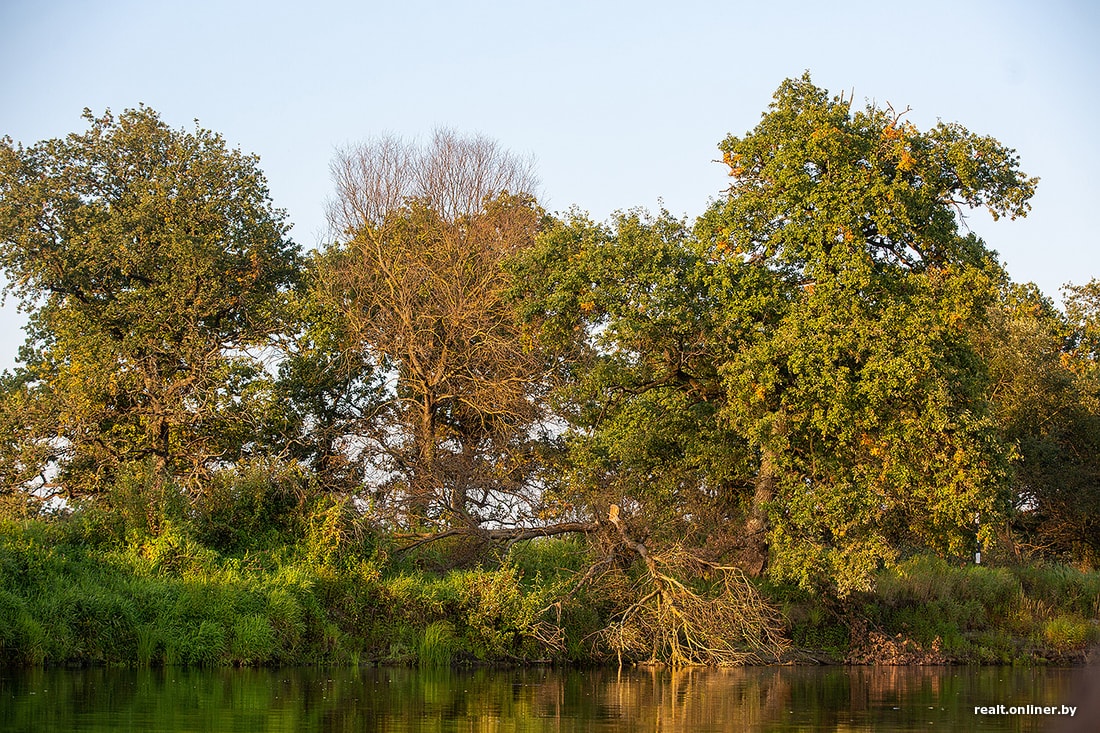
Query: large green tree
x,y
857,382
794,379
152,264
647,460
629,308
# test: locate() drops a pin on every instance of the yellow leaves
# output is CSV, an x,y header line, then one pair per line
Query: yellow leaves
x,y
823,133
898,146
733,160
587,306
875,448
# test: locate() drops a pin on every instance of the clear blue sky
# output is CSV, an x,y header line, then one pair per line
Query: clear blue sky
x,y
621,104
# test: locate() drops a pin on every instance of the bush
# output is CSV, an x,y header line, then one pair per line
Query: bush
x,y
136,504
253,640
251,505
1064,588
1068,633
205,646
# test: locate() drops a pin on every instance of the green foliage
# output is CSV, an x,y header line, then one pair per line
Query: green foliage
x,y
165,599
1041,368
924,579
1063,587
630,309
437,644
800,365
205,646
988,614
498,613
548,560
1068,633
150,259
494,614
858,382
24,449
330,391
137,504
824,377
336,532
147,641
250,505
175,552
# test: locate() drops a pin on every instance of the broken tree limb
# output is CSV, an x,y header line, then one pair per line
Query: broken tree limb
x,y
725,623
500,534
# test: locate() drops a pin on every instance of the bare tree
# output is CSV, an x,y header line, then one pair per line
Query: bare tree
x,y
452,176
419,281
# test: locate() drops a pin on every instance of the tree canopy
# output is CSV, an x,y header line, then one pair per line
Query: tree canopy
x,y
417,280
151,260
800,364
824,373
858,383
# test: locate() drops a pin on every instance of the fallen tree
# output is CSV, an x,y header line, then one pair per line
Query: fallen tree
x,y
691,611
673,606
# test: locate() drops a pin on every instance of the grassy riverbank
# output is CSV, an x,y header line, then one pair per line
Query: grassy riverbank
x,y
929,612
313,589
75,591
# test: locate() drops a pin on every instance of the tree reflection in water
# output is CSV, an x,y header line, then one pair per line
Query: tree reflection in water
x,y
530,699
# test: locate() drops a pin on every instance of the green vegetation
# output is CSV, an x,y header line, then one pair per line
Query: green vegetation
x,y
82,590
73,591
469,430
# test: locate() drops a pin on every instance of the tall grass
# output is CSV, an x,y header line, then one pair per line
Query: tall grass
x,y
997,614
68,594
437,645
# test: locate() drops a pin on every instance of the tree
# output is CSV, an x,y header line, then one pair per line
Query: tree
x,y
330,390
1083,344
794,379
151,261
855,379
630,310
1042,364
419,283
26,453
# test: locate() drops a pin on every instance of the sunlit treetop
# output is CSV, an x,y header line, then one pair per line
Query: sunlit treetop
x,y
815,173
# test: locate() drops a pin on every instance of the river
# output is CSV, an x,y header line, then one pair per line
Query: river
x,y
880,699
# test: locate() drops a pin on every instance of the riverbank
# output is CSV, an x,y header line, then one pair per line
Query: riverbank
x,y
72,592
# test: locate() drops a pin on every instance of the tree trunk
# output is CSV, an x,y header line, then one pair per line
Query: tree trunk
x,y
754,555
424,484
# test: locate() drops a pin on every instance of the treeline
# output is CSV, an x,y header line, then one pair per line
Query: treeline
x,y
822,377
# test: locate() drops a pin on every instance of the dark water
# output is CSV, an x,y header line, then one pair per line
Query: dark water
x,y
339,699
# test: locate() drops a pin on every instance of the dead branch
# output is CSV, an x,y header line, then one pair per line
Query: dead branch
x,y
727,623
499,535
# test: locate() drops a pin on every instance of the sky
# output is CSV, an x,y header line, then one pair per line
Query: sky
x,y
619,104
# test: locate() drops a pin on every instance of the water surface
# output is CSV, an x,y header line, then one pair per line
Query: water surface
x,y
887,699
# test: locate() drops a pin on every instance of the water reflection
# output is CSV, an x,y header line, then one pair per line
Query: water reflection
x,y
317,699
